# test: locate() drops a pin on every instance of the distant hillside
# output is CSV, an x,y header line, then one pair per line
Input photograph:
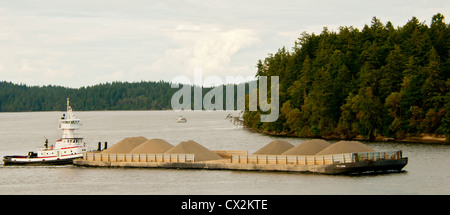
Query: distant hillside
x,y
144,95
109,96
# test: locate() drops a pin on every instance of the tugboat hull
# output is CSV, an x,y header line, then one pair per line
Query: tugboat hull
x,y
24,160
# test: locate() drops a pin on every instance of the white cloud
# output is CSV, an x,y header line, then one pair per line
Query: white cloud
x,y
208,47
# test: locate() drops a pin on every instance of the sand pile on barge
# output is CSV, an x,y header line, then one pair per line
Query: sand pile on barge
x,y
309,147
152,146
276,147
125,145
345,147
192,147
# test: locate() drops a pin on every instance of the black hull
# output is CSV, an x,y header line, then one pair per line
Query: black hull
x,y
7,160
368,167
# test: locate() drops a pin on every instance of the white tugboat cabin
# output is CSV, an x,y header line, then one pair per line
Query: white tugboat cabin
x,y
69,147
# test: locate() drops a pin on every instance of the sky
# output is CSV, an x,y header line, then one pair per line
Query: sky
x,y
75,43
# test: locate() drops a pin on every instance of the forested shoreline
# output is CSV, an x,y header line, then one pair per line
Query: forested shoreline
x,y
379,81
144,95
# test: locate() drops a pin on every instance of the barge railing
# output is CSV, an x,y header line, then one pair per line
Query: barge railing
x,y
121,157
243,158
317,159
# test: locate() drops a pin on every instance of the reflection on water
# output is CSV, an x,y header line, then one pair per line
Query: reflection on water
x,y
427,171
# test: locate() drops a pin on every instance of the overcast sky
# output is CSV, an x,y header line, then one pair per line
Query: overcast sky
x,y
81,43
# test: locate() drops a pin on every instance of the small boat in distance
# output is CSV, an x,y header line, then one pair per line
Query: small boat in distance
x,y
65,150
181,119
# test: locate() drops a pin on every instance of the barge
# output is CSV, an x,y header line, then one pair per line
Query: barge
x,y
347,163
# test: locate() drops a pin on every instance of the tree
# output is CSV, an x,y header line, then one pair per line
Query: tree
x,y
317,104
393,104
293,116
433,89
300,88
392,73
445,122
368,112
344,127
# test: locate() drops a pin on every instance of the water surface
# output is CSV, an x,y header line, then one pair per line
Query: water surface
x,y
426,173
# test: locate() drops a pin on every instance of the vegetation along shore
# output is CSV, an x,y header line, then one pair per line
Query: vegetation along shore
x,y
381,82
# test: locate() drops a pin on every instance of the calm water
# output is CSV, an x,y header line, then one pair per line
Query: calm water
x,y
427,172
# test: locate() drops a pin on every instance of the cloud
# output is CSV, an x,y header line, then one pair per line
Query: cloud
x,y
208,47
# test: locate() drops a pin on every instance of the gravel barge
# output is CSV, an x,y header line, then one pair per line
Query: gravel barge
x,y
346,163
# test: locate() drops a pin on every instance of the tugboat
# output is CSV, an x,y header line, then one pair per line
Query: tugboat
x,y
65,150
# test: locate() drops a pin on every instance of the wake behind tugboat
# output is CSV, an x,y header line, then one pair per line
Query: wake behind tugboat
x,y
65,150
